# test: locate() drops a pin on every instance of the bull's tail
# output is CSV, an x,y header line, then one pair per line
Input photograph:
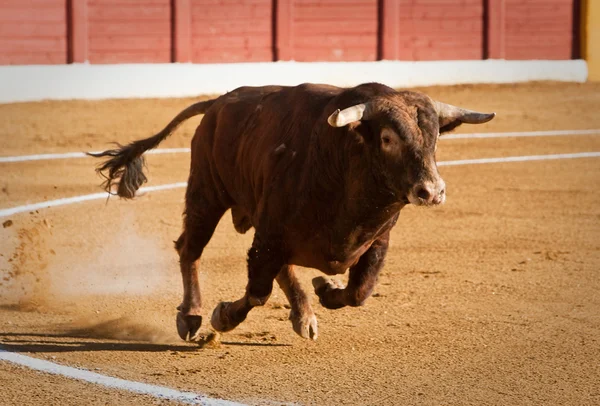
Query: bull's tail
x,y
125,166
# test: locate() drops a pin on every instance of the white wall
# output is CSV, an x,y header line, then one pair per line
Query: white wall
x,y
84,81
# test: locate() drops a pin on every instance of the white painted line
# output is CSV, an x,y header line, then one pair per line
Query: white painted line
x,y
110,382
84,198
71,155
519,159
96,196
551,133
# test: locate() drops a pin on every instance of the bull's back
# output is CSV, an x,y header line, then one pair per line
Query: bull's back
x,y
260,141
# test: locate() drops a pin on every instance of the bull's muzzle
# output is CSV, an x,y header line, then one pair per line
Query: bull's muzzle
x,y
428,193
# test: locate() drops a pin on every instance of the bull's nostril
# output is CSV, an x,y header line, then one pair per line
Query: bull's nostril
x,y
423,193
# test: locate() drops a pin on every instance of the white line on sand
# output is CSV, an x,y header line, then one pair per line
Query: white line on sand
x,y
96,196
71,155
83,198
519,158
110,382
551,133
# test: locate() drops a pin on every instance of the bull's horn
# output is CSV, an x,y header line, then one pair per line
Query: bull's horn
x,y
448,113
341,118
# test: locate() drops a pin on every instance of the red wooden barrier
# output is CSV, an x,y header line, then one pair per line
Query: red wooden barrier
x,y
129,31
334,30
539,29
532,29
231,31
33,32
201,31
441,30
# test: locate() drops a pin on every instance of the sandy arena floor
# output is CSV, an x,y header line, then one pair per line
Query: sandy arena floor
x,y
492,299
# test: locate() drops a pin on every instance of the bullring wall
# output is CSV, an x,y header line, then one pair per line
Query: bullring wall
x,y
223,31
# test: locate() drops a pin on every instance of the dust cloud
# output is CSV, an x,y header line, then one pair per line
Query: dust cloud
x,y
122,328
121,262
23,265
104,281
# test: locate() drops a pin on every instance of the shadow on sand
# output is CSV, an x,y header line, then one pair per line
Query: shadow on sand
x,y
44,343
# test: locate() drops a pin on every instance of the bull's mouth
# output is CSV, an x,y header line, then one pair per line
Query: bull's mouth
x,y
418,201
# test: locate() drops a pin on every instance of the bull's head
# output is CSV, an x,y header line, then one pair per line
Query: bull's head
x,y
402,130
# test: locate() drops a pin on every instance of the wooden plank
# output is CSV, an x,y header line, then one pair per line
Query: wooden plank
x,y
232,13
284,30
241,42
78,31
32,4
496,29
182,31
125,28
56,15
130,56
227,28
29,58
26,29
33,45
133,12
130,2
333,55
220,56
335,28
389,35
119,43
318,41
319,3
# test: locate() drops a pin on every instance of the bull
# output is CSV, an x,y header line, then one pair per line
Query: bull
x,y
321,174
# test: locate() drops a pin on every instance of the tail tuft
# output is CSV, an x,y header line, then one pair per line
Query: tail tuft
x,y
124,170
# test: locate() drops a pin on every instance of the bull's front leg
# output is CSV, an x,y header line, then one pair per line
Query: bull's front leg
x,y
265,259
302,316
361,282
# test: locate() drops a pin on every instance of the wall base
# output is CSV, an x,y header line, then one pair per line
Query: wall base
x,y
84,81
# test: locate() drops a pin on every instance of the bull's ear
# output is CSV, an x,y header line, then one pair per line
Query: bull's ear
x,y
451,116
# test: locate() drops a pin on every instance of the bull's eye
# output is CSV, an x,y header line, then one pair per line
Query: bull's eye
x,y
386,140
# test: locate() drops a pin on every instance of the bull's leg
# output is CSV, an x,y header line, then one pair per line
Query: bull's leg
x,y
362,279
302,316
200,222
265,260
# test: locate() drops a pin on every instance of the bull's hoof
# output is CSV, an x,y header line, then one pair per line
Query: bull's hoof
x,y
326,289
188,327
323,284
220,319
305,325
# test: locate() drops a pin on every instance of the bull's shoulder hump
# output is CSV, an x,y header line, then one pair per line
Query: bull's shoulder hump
x,y
250,93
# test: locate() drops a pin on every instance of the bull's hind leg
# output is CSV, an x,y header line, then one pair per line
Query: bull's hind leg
x,y
302,316
361,282
265,260
201,218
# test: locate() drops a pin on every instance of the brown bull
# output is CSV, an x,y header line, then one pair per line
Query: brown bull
x,y
320,172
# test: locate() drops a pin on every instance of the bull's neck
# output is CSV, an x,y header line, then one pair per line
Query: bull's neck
x,y
343,178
